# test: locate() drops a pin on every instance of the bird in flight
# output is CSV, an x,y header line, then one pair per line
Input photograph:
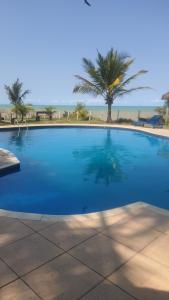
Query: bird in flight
x,y
86,2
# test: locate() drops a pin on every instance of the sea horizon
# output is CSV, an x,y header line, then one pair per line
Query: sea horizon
x,y
5,105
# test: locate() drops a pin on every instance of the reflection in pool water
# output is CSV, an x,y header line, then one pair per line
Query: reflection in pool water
x,y
103,161
79,170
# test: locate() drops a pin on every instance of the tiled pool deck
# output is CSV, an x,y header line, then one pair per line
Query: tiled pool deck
x,y
120,254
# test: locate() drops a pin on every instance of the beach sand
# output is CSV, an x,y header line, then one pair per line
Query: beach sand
x,y
126,112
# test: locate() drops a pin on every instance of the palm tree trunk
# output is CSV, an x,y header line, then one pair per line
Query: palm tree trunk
x,y
109,118
167,113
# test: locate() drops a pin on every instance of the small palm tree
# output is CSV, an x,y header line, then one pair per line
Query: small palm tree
x,y
16,94
22,110
81,110
50,111
107,78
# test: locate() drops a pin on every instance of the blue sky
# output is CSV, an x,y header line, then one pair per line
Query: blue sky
x,y
43,42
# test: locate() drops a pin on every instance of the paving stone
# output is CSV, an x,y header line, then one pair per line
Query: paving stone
x,y
6,275
29,253
99,220
159,250
64,278
12,230
17,290
102,254
67,235
37,225
131,233
152,218
143,278
107,291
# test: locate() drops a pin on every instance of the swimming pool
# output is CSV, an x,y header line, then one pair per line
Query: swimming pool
x,y
80,170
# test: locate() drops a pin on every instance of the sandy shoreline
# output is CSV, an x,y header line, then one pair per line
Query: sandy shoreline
x,y
97,112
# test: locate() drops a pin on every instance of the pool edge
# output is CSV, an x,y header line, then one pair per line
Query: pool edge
x,y
73,217
160,132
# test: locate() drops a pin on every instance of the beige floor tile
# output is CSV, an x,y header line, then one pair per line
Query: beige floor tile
x,y
151,217
5,219
159,250
104,222
102,254
107,291
17,290
143,278
6,275
12,230
61,279
100,221
26,254
37,225
131,233
167,232
162,226
67,235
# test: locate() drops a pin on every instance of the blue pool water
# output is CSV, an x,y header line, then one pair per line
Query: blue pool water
x,y
81,170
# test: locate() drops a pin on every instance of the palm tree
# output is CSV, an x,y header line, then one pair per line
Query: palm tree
x,y
81,111
50,111
107,78
166,98
16,94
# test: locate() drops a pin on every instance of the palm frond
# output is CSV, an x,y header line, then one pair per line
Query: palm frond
x,y
23,95
87,86
125,91
85,89
127,81
93,73
15,93
10,94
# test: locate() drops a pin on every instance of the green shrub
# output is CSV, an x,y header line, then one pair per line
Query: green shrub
x,y
80,112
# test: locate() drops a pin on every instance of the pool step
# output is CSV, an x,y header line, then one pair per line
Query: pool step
x,y
8,162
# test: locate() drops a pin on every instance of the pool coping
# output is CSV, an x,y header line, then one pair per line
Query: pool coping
x,y
75,217
161,132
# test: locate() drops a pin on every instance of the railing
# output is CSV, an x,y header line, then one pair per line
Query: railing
x,y
19,127
16,122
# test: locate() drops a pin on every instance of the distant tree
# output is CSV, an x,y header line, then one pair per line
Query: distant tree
x,y
50,111
81,111
21,110
165,97
107,78
16,95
